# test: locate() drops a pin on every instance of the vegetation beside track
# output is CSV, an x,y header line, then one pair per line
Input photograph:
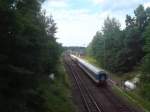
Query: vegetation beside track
x,y
121,50
132,96
57,92
28,53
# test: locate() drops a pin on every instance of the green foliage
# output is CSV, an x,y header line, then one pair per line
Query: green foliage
x,y
104,47
145,78
97,46
141,17
28,50
121,50
57,92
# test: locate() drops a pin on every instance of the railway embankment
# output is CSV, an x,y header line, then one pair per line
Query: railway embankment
x,y
57,91
104,97
133,97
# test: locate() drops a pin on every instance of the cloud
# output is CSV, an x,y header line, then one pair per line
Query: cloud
x,y
55,0
78,24
98,1
117,5
55,4
146,4
76,27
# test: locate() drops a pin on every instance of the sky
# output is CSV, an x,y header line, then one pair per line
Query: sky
x,y
79,20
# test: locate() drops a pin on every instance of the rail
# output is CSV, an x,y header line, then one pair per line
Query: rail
x,y
89,102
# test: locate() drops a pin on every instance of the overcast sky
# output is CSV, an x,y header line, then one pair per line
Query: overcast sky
x,y
79,20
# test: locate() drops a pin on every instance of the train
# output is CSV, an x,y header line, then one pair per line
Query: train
x,y
98,76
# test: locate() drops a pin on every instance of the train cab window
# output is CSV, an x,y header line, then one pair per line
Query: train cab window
x,y
103,76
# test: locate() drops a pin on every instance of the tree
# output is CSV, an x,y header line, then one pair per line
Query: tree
x,y
147,16
104,47
123,48
145,78
133,47
112,35
97,47
28,52
130,22
140,15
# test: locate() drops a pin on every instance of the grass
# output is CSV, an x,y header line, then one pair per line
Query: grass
x,y
94,62
131,96
116,77
91,60
57,92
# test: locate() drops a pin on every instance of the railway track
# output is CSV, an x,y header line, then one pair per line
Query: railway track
x,y
115,101
92,102
88,100
121,107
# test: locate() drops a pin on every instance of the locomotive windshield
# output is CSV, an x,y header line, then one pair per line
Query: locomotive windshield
x,y
103,76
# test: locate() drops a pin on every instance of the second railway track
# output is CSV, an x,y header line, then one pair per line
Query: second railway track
x,y
88,100
92,98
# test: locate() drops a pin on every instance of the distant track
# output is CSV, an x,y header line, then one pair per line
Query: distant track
x,y
115,100
89,102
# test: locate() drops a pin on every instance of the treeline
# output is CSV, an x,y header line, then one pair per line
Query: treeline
x,y
75,50
28,52
121,50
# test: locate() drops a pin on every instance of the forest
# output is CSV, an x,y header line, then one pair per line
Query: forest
x,y
122,50
28,53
